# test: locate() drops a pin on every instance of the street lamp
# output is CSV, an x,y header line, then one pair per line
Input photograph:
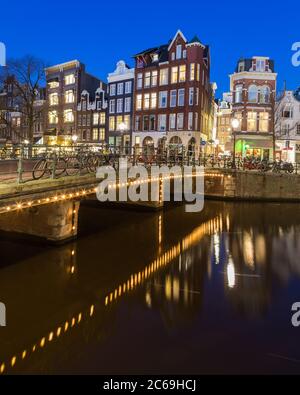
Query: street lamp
x,y
235,123
74,138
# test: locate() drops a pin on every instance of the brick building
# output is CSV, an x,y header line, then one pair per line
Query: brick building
x,y
254,91
65,84
172,94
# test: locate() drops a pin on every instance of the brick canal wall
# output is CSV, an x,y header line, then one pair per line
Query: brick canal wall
x,y
238,185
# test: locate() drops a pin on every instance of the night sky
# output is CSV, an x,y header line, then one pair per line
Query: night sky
x,y
99,33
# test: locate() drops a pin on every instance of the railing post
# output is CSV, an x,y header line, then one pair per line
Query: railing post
x,y
54,165
20,165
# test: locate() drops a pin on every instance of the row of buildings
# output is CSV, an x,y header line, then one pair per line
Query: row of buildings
x,y
167,98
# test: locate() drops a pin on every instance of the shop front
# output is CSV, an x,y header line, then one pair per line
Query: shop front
x,y
257,148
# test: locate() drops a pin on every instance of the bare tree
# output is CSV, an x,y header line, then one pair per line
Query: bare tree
x,y
26,76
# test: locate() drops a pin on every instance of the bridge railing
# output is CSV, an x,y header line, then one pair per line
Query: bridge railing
x,y
25,162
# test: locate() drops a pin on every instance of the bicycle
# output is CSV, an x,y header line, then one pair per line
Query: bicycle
x,y
51,165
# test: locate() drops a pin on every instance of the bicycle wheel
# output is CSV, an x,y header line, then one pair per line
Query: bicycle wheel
x,y
73,166
61,167
39,169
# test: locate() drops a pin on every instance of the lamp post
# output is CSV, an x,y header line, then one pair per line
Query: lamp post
x,y
74,139
122,129
235,123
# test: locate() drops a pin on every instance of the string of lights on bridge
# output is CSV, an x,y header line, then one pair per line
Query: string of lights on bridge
x,y
137,279
81,193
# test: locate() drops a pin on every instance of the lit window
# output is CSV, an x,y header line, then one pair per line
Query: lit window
x,y
68,116
112,123
163,98
153,100
102,118
192,71
163,76
252,121
127,121
69,79
95,134
69,96
263,122
95,119
182,73
174,75
102,134
53,117
119,121
154,78
137,140
139,102
53,84
53,99
198,73
147,101
155,57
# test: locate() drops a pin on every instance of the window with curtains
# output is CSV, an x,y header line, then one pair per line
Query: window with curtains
x,y
263,121
252,121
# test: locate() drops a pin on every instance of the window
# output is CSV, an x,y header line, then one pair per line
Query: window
x,y
84,105
190,121
196,121
127,104
128,87
153,100
192,71
147,79
180,97
154,78
191,96
119,121
252,94
172,121
53,99
241,67
84,120
252,121
53,117
152,122
174,75
69,96
184,54
102,118
95,118
127,121
179,121
119,106
173,98
139,102
53,84
288,111
139,81
112,89
173,56
95,134
79,120
163,76
69,79
178,51
138,123
162,122
197,96
263,122
182,73
145,123
112,123
198,73
102,134
155,57
68,116
260,65
120,88
239,94
112,105
163,98
147,101
298,128
137,140
264,94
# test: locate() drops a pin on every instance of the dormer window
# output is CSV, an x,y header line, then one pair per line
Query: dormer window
x,y
241,67
260,65
178,51
155,57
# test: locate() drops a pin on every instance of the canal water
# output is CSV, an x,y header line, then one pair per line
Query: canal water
x,y
166,292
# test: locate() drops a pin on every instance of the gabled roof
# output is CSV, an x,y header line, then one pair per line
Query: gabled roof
x,y
179,32
195,39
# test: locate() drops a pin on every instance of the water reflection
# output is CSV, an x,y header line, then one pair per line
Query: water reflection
x,y
173,264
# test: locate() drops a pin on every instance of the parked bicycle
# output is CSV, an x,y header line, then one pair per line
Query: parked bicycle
x,y
51,165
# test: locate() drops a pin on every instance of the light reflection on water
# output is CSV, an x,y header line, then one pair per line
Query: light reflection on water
x,y
175,286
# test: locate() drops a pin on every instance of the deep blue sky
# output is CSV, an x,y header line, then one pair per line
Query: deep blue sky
x,y
99,33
